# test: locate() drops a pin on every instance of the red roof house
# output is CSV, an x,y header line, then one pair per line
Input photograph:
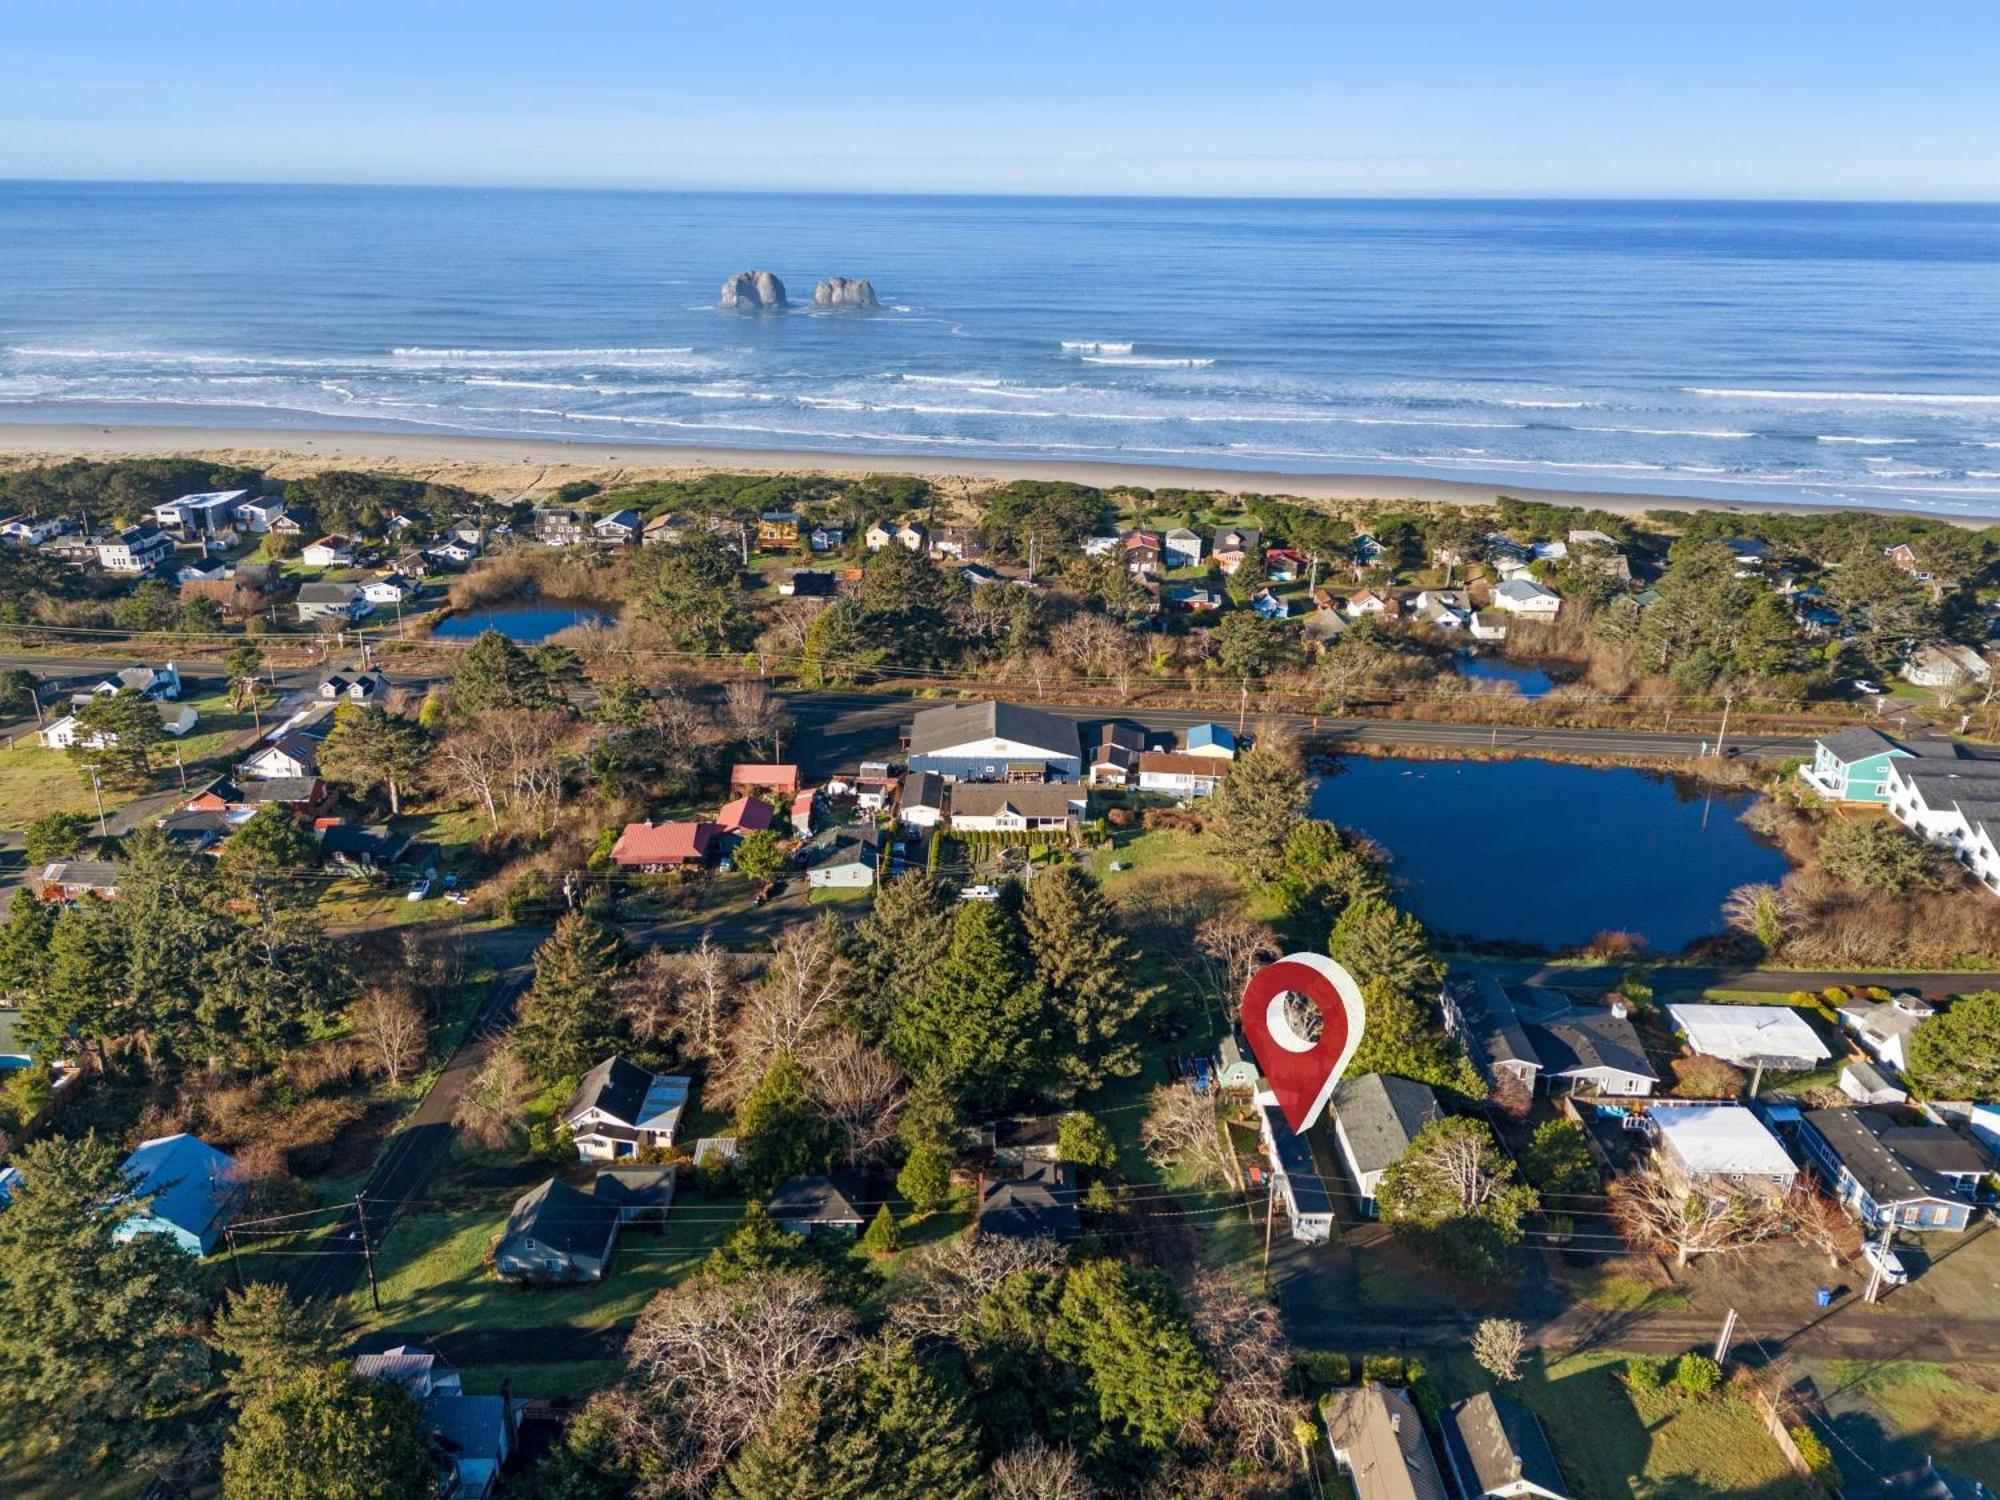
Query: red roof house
x,y
745,815
802,812
749,777
663,846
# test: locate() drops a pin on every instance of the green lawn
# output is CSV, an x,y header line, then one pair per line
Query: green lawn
x,y
1620,1293
562,1377
1951,1412
34,781
435,1280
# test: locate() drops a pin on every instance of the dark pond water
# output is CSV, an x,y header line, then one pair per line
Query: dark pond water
x,y
1534,851
1532,682
525,623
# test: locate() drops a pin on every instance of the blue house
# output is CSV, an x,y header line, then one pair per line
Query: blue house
x,y
192,1188
1209,739
1853,766
1857,1152
1268,606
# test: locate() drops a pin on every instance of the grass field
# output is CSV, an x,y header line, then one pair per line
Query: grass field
x,y
34,781
1951,1412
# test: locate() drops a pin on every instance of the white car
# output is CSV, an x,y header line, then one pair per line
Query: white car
x,y
1891,1266
1863,685
980,893
421,890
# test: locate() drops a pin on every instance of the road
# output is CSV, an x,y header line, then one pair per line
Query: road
x,y
414,1150
1683,980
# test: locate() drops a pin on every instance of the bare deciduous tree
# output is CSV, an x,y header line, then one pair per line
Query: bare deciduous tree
x,y
1181,1129
1245,1338
1238,948
391,1024
752,714
1035,1471
489,1113
1497,1347
790,623
947,1280
1822,1223
1656,1214
860,1089
794,1006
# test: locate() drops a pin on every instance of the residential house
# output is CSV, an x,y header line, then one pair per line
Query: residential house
x,y
1040,1205
1378,1442
260,516
1488,625
73,879
1143,552
136,549
204,572
1195,598
620,1109
906,534
1853,765
1284,564
355,685
1325,624
475,1434
190,1191
1721,1147
1478,1011
1865,1083
758,776
561,526
813,1205
1904,556
1180,775
195,831
651,846
33,531
1211,740
845,858
364,848
1884,1027
452,551
307,796
1013,807
1368,602
291,756
286,524
977,577
1236,1069
1952,803
1749,553
556,1233
778,531
1443,609
1496,1448
827,536
1751,1036
1847,1149
345,602
1937,1153
328,552
1115,761
619,529
1592,1050
193,517
1506,555
1266,605
994,741
1583,537
922,802
140,681
1101,546
955,544
1295,1175
1945,664
1182,548
1375,1118
175,718
803,803
746,814
669,527
1235,545
806,583
1523,596
1984,1123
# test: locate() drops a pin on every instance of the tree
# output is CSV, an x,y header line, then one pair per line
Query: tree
x,y
20,692
689,590
1956,1054
54,836
902,939
1557,1161
1321,868
859,1089
1246,646
1657,1214
329,1434
370,747
1378,944
759,856
1082,1139
1497,1347
116,735
885,1426
81,1004
489,1113
1877,855
1763,911
1697,1374
1085,965
882,1236
1035,1471
273,842
1822,1222
779,1133
926,1176
1180,1130
493,672
268,1339
1256,808
1707,1078
981,1024
1124,1327
24,946
569,1019
391,1025
100,1337
242,664
1242,1335
1455,1196
1401,1037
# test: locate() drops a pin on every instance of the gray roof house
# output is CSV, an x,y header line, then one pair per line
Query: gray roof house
x,y
813,1205
332,601
1496,1448
1040,1204
845,858
475,1434
1477,1011
1013,807
1595,1050
995,742
1378,1441
1375,1118
619,1109
557,1233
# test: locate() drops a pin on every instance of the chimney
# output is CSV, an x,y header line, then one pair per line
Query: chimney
x,y
1619,1009
1395,1421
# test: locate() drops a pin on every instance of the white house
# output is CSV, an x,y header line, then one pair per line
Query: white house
x,y
1488,625
32,531
332,601
1015,807
1721,1145
1946,664
1952,803
259,516
357,685
175,718
1751,1036
619,1109
903,533
1444,609
1180,775
288,757
1295,1175
619,529
137,549
1182,548
922,802
384,591
328,552
202,515
1884,1027
1523,596
1376,1117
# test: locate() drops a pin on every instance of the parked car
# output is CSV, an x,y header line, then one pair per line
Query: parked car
x,y
980,893
1864,686
1887,1261
422,889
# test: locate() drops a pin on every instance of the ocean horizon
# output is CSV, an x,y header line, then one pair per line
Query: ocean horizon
x,y
1827,353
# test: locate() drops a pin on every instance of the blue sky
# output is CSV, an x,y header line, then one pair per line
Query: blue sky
x,y
1601,97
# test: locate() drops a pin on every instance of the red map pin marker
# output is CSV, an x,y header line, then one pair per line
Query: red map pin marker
x,y
1302,1070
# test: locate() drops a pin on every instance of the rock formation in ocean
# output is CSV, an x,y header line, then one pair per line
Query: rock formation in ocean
x,y
753,289
839,291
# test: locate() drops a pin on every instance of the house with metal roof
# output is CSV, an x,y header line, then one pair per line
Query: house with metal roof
x,y
1496,1448
1179,775
995,742
1378,1442
664,846
1376,1117
1295,1174
190,1188
620,1109
1721,1146
1847,1147
1209,739
1751,1036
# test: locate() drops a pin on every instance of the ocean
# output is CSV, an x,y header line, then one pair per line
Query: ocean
x,y
1751,351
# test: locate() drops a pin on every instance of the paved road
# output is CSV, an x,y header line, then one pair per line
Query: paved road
x,y
1674,980
414,1151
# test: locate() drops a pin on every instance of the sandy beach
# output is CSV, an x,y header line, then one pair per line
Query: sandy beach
x,y
527,468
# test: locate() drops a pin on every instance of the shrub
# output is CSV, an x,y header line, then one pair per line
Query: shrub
x,y
1642,1373
1818,1457
1119,817
1317,1369
1697,1374
1383,1369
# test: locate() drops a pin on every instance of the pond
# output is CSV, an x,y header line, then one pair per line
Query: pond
x,y
1538,852
1532,682
525,623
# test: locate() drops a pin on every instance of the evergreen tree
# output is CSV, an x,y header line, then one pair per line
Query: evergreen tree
x,y
1401,1036
370,747
780,1134
269,1339
272,842
902,939
116,736
1454,1195
1085,965
925,1179
24,946
79,1004
1082,1139
1256,808
882,1237
981,1024
689,590
98,1337
1956,1055
329,1434
839,647
54,836
569,1019
1124,1327
1378,944
1321,869
493,672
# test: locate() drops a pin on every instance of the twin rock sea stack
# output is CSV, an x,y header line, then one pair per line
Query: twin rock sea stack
x,y
762,291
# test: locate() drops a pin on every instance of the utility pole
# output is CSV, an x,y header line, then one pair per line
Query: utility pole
x,y
367,1250
235,1264
97,790
180,768
1723,1339
1243,708
1270,1216
1721,734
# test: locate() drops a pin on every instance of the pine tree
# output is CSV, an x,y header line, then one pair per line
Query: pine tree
x,y
80,1002
926,1177
24,946
1125,1328
272,842
981,1025
1376,943
883,1237
493,672
1401,1036
569,1019
370,747
333,1435
269,1338
1086,966
1256,808
904,936
779,1132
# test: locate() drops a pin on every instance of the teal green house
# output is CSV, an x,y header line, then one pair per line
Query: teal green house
x,y
1853,766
